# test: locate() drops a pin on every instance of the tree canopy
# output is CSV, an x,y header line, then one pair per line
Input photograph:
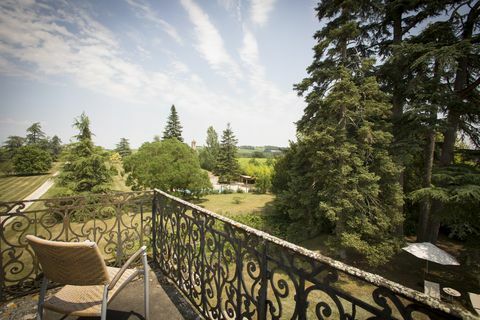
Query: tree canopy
x,y
30,159
168,165
35,133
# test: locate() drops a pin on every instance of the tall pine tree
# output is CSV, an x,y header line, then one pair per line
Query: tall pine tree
x,y
173,128
227,167
340,176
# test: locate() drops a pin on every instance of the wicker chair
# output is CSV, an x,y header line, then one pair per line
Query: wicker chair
x,y
89,284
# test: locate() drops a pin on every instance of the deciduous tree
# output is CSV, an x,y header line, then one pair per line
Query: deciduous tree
x,y
169,165
31,159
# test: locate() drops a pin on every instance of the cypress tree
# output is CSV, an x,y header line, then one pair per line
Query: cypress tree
x,y
173,128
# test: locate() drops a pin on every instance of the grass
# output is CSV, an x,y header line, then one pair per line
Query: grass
x,y
18,187
235,203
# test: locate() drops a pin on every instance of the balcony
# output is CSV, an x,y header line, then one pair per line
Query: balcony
x,y
203,264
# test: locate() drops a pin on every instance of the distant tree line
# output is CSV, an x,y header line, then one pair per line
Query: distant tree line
x,y
32,154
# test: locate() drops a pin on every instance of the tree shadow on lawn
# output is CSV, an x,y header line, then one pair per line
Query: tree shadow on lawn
x,y
24,175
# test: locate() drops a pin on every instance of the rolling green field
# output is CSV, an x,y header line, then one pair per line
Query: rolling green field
x,y
18,187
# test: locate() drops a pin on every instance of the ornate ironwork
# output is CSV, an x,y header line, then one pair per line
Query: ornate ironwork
x,y
230,271
119,223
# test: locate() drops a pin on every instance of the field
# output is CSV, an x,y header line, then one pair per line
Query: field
x,y
245,161
235,203
18,187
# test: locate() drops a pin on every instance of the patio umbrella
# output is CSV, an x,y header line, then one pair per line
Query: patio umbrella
x,y
430,252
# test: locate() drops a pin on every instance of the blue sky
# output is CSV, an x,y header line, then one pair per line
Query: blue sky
x,y
125,62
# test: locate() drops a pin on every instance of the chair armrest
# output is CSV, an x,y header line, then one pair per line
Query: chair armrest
x,y
115,279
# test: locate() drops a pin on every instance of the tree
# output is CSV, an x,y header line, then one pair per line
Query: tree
x,y
123,148
173,128
340,176
13,143
84,169
35,133
82,123
168,165
31,159
55,146
227,167
208,155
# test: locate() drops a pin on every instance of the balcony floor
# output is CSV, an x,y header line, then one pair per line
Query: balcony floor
x,y
165,303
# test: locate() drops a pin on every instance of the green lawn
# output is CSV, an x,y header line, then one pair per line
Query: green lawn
x,y
18,187
235,203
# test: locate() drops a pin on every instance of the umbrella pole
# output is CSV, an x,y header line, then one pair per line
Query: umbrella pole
x,y
427,267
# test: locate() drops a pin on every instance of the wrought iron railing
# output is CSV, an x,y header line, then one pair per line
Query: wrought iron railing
x,y
230,271
226,270
120,223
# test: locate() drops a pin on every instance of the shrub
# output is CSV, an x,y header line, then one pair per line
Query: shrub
x,y
237,200
31,160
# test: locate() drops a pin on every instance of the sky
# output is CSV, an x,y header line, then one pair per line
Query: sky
x,y
125,62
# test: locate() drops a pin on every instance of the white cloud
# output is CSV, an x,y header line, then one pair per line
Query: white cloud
x,y
209,42
34,40
267,95
143,10
66,44
259,11
233,6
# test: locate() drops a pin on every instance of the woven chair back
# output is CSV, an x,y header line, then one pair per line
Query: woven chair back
x,y
74,263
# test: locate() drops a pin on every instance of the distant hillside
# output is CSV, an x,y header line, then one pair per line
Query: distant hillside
x,y
259,152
